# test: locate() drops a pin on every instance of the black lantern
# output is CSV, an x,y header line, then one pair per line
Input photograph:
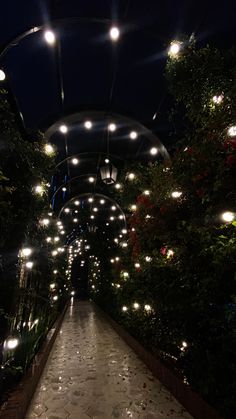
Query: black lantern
x,y
109,173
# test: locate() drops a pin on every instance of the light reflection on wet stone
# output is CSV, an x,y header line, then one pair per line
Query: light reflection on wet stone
x,y
92,374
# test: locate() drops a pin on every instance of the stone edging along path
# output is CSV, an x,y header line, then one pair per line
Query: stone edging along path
x,y
16,405
192,402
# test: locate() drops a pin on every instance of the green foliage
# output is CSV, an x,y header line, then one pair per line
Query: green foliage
x,y
189,282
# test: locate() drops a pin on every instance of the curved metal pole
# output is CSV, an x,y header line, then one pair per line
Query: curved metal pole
x,y
56,22
70,180
81,116
87,153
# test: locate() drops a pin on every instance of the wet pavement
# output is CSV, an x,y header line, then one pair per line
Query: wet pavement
x,y
92,374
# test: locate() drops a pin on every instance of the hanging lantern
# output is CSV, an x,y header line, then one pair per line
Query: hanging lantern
x,y
109,173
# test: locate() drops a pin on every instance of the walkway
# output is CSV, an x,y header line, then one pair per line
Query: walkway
x,y
92,373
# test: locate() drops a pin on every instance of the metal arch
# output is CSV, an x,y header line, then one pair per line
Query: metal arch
x,y
53,23
87,153
70,180
80,116
98,195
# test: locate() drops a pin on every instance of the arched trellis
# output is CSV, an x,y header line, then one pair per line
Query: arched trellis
x,y
80,117
87,155
99,196
94,175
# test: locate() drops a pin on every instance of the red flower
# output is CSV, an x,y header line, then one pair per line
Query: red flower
x,y
230,160
163,250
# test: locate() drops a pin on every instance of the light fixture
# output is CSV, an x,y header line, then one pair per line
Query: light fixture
x,y
124,231
26,252
176,194
112,127
133,135
148,259
64,189
133,207
2,75
146,192
218,99
29,265
48,239
112,218
55,271
92,217
66,210
114,33
76,203
102,201
45,221
75,161
174,49
153,151
131,176
88,124
63,128
228,216
48,148
147,307
39,189
56,239
136,306
124,308
90,199
117,185
91,179
137,265
107,161
75,220
49,37
11,343
108,173
95,209
121,217
232,131
113,207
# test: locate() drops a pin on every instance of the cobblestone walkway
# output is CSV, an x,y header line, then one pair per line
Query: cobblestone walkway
x,y
92,373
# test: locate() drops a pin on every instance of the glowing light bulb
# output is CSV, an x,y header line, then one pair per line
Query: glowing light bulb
x,y
102,201
11,343
45,221
176,194
228,216
26,252
75,220
146,192
136,306
90,200
174,49
88,124
64,189
147,307
218,99
63,128
112,127
107,161
49,37
124,308
133,135
114,33
48,148
133,207
131,176
91,179
39,189
137,265
117,185
29,265
148,259
66,210
232,131
77,203
113,208
2,75
55,271
75,161
153,151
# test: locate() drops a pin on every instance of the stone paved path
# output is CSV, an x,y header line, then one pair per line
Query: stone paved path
x,y
92,374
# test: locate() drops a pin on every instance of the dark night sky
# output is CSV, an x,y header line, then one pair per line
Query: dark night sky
x,y
89,60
